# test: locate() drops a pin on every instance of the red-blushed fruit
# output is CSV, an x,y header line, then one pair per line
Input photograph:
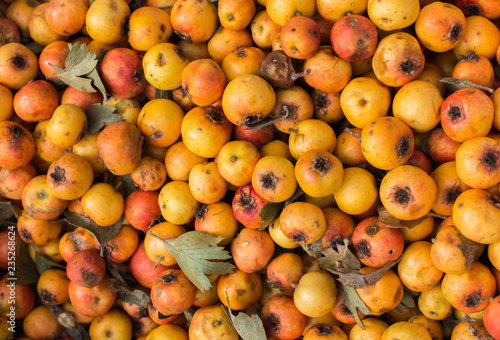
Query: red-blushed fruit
x,y
122,73
93,301
354,37
9,32
65,17
375,243
341,312
441,147
466,114
17,145
12,182
281,319
121,246
203,81
258,137
40,323
247,206
339,226
285,271
86,268
23,299
419,159
119,145
172,292
142,268
300,37
36,101
141,208
490,318
75,241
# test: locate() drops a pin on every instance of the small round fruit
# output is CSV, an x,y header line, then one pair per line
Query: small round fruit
x,y
52,287
316,293
67,125
86,268
103,195
273,178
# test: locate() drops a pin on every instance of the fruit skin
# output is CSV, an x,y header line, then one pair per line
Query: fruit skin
x,y
66,126
41,324
18,65
194,21
66,17
23,303
177,204
86,268
300,38
36,101
252,250
490,318
383,295
17,145
471,290
122,73
316,293
172,292
354,37
239,289
211,322
281,319
119,145
406,330
115,324
273,178
142,267
93,301
98,196
141,208
303,222
105,20
52,287
375,243
39,203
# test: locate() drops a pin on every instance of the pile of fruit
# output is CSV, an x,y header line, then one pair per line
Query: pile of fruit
x,y
240,169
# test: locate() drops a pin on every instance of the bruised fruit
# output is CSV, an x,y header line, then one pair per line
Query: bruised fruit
x,y
86,268
17,145
281,319
52,287
303,222
172,292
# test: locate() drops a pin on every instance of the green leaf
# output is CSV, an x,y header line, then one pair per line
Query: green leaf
x,y
96,80
100,116
127,294
102,234
355,279
248,327
7,213
43,263
333,259
163,94
128,184
26,271
80,62
194,252
354,303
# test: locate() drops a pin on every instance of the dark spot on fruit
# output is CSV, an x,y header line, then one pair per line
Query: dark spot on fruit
x,y
315,33
97,299
455,113
47,297
216,116
321,165
230,17
169,278
26,235
233,158
161,59
19,62
157,134
403,148
491,199
269,181
272,322
294,49
344,310
361,43
89,277
372,229
109,334
275,284
433,313
16,131
163,28
241,292
253,286
251,119
298,237
363,249
491,159
402,196
474,299
242,54
246,201
452,194
408,67
472,9
58,175
217,322
201,212
208,172
321,102
182,35
471,56
324,329
293,30
41,195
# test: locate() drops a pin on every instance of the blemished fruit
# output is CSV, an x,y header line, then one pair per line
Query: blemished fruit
x,y
164,161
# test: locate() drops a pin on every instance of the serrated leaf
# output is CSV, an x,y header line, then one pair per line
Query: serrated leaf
x,y
248,327
454,84
408,300
79,62
194,252
43,263
102,234
65,319
127,294
269,212
100,116
26,271
354,303
342,256
355,279
96,80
